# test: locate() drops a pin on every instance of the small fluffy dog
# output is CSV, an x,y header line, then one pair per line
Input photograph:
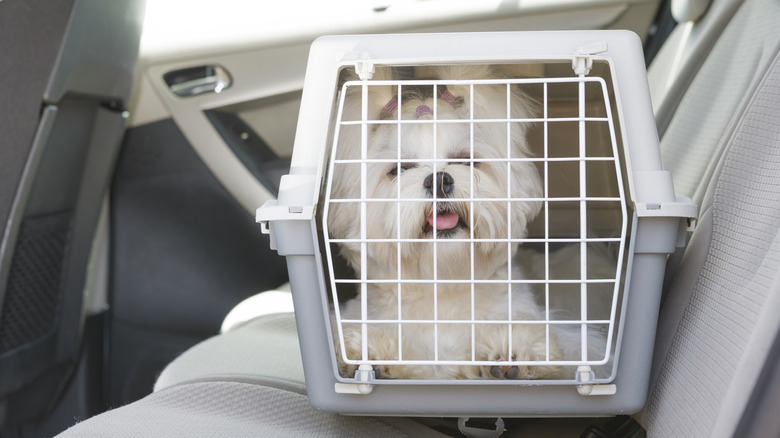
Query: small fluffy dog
x,y
441,185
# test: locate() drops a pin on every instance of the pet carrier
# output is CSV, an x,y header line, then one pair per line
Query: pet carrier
x,y
477,224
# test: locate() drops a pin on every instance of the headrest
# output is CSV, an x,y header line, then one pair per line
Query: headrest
x,y
689,10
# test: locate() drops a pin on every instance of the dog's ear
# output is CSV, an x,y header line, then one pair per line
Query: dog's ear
x,y
485,96
380,98
446,95
390,110
384,100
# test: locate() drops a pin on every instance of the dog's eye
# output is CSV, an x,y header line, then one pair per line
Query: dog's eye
x,y
465,161
464,158
404,166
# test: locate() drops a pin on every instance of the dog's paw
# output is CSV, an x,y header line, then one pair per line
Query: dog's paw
x,y
380,371
345,369
509,372
381,346
352,350
506,371
532,347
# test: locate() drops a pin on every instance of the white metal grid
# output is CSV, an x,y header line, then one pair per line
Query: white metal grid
x,y
548,122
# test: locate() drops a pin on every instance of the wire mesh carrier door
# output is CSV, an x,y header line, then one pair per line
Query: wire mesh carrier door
x,y
430,199
477,225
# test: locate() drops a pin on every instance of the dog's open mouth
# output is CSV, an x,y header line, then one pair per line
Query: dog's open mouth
x,y
446,222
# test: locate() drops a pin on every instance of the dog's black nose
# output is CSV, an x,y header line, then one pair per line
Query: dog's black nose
x,y
444,184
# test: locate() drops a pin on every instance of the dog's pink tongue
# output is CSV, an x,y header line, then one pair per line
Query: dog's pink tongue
x,y
444,221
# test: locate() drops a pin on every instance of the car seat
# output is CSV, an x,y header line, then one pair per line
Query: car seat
x,y
718,320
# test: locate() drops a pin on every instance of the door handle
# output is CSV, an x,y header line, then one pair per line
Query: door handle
x,y
193,81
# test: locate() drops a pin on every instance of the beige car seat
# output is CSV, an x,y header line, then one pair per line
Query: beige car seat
x,y
717,325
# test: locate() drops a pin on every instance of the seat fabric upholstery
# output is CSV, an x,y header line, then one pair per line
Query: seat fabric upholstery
x,y
234,409
720,317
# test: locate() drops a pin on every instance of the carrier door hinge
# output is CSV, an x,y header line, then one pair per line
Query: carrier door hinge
x,y
583,59
364,375
364,66
585,375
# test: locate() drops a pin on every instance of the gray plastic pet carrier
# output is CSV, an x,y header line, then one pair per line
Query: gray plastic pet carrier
x,y
477,224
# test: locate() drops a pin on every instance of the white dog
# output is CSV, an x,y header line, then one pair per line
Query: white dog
x,y
441,186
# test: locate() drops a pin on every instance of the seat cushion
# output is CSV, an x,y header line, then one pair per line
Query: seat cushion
x,y
262,349
235,409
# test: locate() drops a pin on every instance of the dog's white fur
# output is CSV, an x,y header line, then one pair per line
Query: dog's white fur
x,y
487,219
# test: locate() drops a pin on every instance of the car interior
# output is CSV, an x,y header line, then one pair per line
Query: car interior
x,y
138,296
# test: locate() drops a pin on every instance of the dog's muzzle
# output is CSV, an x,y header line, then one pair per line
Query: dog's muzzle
x,y
447,220
444,220
444,185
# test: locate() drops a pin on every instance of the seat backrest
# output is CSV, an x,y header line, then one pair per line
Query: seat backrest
x,y
719,319
26,27
724,80
699,25
62,150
